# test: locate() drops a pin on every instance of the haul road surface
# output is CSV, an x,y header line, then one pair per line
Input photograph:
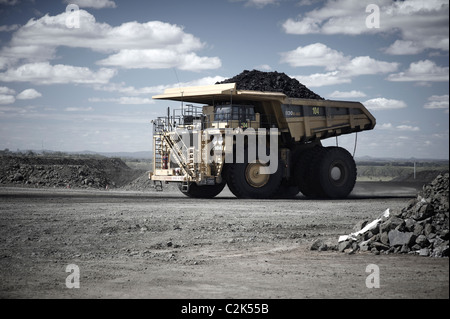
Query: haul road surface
x,y
129,244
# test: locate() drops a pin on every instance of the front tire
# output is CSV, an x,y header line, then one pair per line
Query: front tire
x,y
244,181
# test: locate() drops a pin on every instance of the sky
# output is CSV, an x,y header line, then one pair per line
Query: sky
x,y
79,75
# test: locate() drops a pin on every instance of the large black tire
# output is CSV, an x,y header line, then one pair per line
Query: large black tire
x,y
304,172
244,181
335,173
286,191
227,177
204,191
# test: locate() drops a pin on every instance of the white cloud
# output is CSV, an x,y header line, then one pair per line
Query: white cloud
x,y
9,2
422,71
317,54
343,67
79,109
437,102
28,94
402,47
157,43
160,59
44,73
406,128
95,4
124,100
6,90
384,104
263,67
420,24
257,3
131,90
9,28
350,94
7,99
322,79
366,65
385,126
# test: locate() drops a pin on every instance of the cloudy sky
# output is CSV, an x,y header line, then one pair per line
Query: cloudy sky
x,y
79,75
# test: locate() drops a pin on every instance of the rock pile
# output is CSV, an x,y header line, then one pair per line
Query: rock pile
x,y
422,227
61,172
271,82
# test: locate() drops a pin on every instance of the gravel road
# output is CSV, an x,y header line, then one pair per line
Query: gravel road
x,y
155,245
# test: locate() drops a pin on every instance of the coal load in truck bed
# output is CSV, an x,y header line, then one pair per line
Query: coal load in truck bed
x,y
271,82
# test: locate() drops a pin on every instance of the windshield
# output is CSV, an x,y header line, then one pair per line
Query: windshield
x,y
234,112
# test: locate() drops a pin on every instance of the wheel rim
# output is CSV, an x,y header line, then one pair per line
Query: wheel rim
x,y
253,177
337,173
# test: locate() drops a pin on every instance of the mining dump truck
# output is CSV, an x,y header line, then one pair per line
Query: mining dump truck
x,y
261,144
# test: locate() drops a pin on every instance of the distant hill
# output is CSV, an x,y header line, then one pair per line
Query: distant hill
x,y
363,159
124,155
360,160
140,155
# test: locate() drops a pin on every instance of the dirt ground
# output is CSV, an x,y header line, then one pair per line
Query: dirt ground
x,y
164,245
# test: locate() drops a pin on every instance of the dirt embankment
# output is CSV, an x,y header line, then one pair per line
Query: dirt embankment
x,y
67,172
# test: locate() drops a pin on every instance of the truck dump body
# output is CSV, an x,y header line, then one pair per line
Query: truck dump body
x,y
304,119
300,125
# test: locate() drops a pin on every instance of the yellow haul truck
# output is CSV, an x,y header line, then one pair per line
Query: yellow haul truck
x,y
260,144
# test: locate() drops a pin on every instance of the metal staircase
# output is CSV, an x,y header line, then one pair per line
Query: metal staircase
x,y
166,140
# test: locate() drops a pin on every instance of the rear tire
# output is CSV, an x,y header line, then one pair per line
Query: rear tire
x,y
204,191
335,173
304,172
286,191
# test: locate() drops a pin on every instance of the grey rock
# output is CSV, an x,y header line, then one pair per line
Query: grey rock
x,y
422,241
344,245
316,244
364,245
424,252
428,229
431,236
398,238
404,249
391,223
384,238
441,250
424,212
17,177
418,228
380,246
409,224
